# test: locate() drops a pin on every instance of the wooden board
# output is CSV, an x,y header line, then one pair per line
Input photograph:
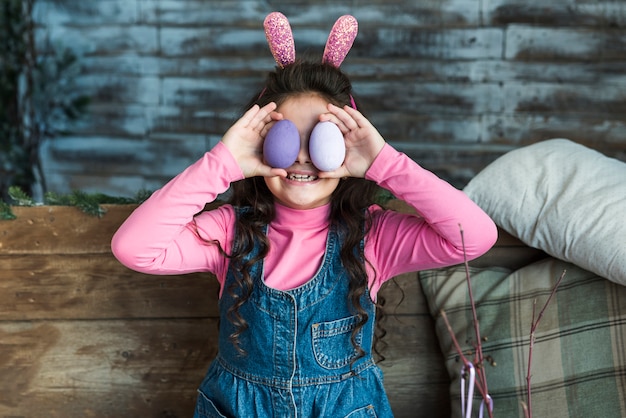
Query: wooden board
x,y
60,230
103,368
96,286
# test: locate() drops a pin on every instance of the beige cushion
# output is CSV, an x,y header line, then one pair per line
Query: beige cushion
x,y
563,198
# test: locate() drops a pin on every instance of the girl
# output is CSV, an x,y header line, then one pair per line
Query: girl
x,y
300,254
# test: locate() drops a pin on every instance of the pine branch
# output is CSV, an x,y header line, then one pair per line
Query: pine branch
x,y
89,203
6,214
20,197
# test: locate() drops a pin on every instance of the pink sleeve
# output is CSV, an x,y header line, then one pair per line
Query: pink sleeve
x,y
163,235
400,243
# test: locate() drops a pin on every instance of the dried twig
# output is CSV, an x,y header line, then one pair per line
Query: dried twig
x,y
481,383
481,379
528,410
459,351
480,372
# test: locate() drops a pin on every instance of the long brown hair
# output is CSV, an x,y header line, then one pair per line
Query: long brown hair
x,y
349,201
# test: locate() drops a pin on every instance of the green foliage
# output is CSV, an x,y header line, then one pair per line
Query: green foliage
x,y
20,197
87,203
90,203
383,196
6,213
55,100
38,96
14,165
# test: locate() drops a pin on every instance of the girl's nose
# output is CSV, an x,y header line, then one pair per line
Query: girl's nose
x,y
303,154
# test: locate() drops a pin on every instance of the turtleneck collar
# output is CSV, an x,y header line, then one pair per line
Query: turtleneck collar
x,y
302,218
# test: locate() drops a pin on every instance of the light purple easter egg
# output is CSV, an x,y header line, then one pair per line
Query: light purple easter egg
x,y
326,146
282,144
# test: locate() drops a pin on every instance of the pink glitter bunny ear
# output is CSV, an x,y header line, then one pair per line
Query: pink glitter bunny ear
x,y
340,40
280,38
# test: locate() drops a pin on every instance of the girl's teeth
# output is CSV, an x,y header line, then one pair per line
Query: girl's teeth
x,y
298,177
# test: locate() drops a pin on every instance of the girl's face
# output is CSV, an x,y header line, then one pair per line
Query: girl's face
x,y
302,189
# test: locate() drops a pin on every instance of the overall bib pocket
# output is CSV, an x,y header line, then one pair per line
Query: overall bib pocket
x,y
332,343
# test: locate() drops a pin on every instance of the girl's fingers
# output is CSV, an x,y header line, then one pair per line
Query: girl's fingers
x,y
278,172
329,117
348,116
268,122
257,116
357,116
267,171
341,172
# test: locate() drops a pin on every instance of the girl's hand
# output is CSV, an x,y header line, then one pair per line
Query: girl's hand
x,y
363,142
245,141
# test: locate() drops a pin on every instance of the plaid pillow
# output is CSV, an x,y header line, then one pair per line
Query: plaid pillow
x,y
579,356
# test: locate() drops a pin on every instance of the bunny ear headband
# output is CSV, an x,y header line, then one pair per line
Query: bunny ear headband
x,y
280,39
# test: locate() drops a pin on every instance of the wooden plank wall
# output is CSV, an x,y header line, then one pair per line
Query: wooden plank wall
x,y
453,83
82,336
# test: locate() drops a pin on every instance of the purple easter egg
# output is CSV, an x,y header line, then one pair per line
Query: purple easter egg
x,y
326,146
282,144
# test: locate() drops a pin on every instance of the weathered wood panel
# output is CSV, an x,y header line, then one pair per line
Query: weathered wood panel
x,y
81,335
103,368
534,43
461,71
60,230
457,77
579,13
96,286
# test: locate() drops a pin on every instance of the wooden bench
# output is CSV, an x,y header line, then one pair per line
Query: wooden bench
x,y
83,336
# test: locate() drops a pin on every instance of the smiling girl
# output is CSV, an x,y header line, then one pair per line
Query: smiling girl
x,y
300,253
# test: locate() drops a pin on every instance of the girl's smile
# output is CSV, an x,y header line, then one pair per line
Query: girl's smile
x,y
301,177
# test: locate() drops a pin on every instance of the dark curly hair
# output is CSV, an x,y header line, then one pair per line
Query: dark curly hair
x,y
349,201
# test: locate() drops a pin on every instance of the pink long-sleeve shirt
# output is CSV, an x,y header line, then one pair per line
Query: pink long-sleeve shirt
x,y
165,236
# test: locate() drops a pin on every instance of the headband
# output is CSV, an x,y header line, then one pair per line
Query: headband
x,y
280,39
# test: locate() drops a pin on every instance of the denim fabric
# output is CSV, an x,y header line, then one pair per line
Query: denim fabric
x,y
298,360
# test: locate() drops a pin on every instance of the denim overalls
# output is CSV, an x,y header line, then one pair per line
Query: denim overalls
x,y
298,352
